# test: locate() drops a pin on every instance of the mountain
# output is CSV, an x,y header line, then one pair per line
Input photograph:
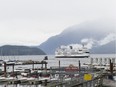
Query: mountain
x,y
20,50
109,48
99,35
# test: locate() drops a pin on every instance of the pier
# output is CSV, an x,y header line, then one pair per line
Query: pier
x,y
76,83
70,76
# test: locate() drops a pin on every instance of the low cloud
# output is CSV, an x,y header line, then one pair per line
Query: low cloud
x,y
89,42
107,39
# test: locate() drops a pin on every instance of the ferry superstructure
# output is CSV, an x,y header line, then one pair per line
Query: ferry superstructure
x,y
72,51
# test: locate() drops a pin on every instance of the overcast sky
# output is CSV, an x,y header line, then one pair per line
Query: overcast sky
x,y
31,22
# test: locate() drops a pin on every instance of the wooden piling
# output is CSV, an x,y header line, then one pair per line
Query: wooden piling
x,y
13,69
33,65
42,65
96,60
4,69
111,67
79,66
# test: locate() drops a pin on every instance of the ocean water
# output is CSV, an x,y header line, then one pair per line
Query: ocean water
x,y
52,62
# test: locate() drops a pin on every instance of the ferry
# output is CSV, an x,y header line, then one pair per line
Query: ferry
x,y
72,51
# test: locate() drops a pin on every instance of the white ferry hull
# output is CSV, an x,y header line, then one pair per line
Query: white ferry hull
x,y
72,56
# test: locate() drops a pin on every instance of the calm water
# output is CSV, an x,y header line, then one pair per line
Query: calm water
x,y
52,61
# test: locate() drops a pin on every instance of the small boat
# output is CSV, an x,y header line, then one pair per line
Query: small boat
x,y
71,68
1,62
9,62
3,79
23,80
7,79
43,79
20,69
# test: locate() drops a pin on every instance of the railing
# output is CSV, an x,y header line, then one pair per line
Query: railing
x,y
79,82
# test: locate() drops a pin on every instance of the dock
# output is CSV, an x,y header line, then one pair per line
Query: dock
x,y
70,76
76,83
